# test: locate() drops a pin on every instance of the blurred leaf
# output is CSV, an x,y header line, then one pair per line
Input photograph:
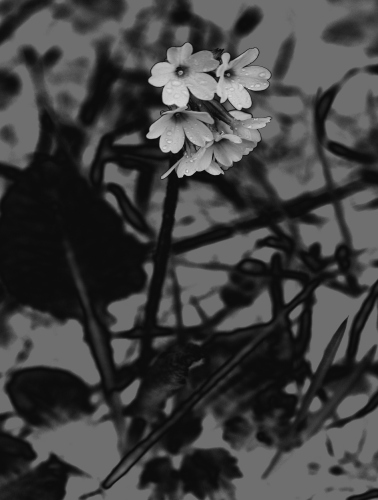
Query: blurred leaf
x,y
347,32
324,365
248,21
314,220
15,454
284,58
209,472
49,206
236,431
160,473
370,406
181,13
350,154
52,56
43,396
46,482
183,433
10,87
323,105
167,375
359,322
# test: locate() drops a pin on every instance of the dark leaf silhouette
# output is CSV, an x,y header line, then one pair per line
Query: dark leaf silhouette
x,y
350,154
10,87
347,32
46,482
207,471
183,433
322,107
52,210
371,405
236,431
52,56
368,495
167,375
284,58
15,454
43,396
165,479
248,21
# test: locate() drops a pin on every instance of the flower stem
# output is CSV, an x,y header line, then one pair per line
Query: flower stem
x,y
160,260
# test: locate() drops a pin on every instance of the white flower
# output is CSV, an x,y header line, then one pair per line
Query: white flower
x,y
245,125
188,164
174,125
184,71
237,75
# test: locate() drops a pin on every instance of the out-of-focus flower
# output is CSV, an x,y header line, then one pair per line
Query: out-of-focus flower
x,y
245,126
185,71
236,76
174,125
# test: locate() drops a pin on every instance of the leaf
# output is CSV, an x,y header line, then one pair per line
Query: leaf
x,y
43,396
359,322
284,57
159,472
323,105
236,431
167,375
350,154
206,472
324,365
10,87
183,433
346,32
52,205
15,454
248,21
46,482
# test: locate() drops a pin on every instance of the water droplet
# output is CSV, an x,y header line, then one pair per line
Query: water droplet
x,y
164,148
257,85
231,89
169,132
191,160
176,83
262,75
176,96
186,170
169,91
169,141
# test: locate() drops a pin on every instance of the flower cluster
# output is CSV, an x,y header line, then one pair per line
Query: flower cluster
x,y
212,138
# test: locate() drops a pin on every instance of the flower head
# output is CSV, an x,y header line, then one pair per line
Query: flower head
x,y
173,126
245,125
237,75
185,71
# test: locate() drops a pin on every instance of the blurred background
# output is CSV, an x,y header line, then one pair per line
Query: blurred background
x,y
97,57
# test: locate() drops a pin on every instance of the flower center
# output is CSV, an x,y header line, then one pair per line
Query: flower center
x,y
228,74
180,71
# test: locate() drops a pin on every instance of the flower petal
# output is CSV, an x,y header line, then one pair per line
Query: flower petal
x,y
173,96
200,115
202,85
172,138
244,59
202,61
196,131
204,162
255,72
240,115
239,98
221,88
254,123
158,127
226,152
255,84
214,169
161,74
179,55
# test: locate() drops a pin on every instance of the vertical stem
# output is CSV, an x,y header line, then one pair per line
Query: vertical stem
x,y
160,260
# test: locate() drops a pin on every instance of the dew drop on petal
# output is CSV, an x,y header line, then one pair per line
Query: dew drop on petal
x,y
191,160
257,85
231,89
164,148
186,170
262,75
169,132
169,141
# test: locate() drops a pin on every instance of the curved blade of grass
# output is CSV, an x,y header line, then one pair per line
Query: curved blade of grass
x,y
370,406
324,365
331,406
